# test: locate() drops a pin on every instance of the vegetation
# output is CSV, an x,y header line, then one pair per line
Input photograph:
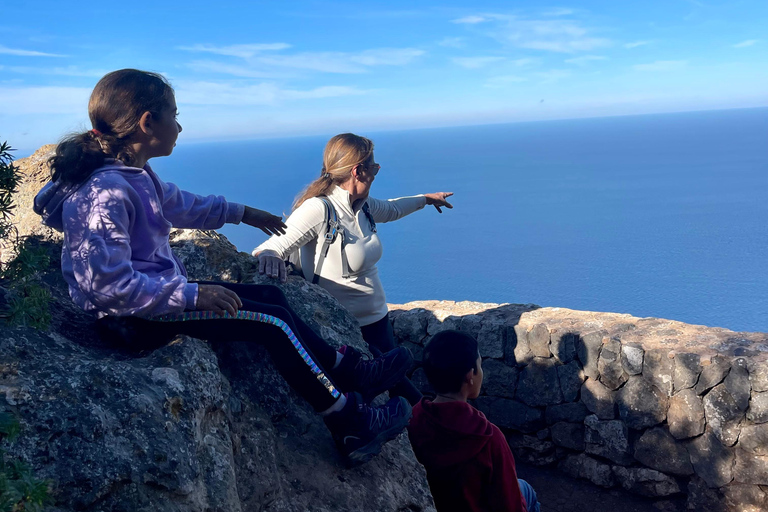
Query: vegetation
x,y
20,490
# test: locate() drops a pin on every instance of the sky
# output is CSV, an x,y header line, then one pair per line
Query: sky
x,y
245,70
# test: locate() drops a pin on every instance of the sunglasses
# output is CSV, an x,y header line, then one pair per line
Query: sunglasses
x,y
373,169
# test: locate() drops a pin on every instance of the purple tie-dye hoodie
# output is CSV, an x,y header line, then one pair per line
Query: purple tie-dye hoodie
x,y
116,257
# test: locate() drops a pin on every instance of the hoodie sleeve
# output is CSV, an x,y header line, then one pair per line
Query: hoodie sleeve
x,y
187,210
394,209
504,494
98,242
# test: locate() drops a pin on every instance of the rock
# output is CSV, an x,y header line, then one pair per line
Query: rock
x,y
702,498
582,466
754,439
499,379
609,365
488,330
686,414
538,340
599,399
723,414
608,439
658,450
532,449
507,413
538,384
758,375
712,461
410,326
568,435
571,378
572,413
687,371
737,383
563,345
750,468
758,408
646,482
521,349
632,358
712,374
641,405
659,368
745,497
588,351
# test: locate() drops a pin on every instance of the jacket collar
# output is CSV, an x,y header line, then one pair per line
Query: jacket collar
x,y
342,198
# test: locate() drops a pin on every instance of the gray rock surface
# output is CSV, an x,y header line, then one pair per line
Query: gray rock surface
x,y
583,466
658,450
641,404
609,439
646,482
687,370
712,461
632,358
758,408
724,414
610,366
685,416
539,384
599,399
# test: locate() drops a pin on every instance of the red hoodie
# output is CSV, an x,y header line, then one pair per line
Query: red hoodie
x,y
470,467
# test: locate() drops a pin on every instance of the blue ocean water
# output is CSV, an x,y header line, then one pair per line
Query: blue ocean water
x,y
657,215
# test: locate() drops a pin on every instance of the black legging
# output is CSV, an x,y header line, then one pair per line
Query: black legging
x,y
310,381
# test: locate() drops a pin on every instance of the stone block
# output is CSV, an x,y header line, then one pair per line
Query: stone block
x,y
511,414
711,461
632,358
411,326
600,400
687,371
745,497
539,384
568,435
703,499
754,439
645,482
538,340
609,365
658,450
758,407
723,414
609,439
712,374
499,379
491,336
531,449
685,416
436,325
641,404
572,413
758,375
659,369
588,351
571,378
737,383
520,351
563,345
750,468
583,466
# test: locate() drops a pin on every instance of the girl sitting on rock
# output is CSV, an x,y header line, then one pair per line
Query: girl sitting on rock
x,y
116,215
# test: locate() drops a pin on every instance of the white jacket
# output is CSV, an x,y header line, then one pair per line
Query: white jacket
x,y
362,292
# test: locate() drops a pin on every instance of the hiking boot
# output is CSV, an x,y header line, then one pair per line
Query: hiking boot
x,y
371,377
361,430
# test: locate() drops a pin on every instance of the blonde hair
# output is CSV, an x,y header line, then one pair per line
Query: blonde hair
x,y
342,153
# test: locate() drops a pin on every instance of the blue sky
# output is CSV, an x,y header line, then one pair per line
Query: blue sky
x,y
265,69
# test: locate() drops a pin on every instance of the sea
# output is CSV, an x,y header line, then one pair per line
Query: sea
x,y
655,215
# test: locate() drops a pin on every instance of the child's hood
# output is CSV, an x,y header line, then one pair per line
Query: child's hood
x,y
448,433
49,202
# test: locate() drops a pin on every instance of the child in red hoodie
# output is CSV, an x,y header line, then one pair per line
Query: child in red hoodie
x,y
468,461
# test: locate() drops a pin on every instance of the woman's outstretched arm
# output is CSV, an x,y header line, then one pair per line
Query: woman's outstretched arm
x,y
394,209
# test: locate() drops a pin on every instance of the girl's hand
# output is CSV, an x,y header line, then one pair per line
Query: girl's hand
x,y
265,221
216,298
272,265
437,199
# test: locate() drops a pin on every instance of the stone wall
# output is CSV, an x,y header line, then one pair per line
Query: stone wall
x,y
667,410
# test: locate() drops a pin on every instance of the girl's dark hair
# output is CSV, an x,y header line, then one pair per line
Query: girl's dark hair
x,y
117,103
448,357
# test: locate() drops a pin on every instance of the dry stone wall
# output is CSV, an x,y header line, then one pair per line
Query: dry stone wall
x,y
660,408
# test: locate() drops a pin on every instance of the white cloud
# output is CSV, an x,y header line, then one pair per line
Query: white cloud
x,y
44,100
585,59
661,65
471,20
452,42
243,51
26,53
218,93
559,12
59,71
476,62
744,44
635,44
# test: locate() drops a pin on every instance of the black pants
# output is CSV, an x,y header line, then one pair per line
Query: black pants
x,y
380,339
298,353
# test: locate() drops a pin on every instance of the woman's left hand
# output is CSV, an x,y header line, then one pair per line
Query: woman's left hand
x,y
265,221
437,199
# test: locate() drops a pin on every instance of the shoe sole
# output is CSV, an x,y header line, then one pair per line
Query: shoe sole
x,y
370,394
370,450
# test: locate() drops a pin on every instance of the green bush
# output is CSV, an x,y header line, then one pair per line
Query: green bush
x,y
20,490
9,184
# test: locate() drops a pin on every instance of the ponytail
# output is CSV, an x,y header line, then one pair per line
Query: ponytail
x,y
117,103
342,153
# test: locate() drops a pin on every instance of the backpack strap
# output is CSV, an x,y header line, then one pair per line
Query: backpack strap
x,y
332,230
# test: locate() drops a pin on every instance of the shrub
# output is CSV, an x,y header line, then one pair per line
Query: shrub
x,y
20,490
